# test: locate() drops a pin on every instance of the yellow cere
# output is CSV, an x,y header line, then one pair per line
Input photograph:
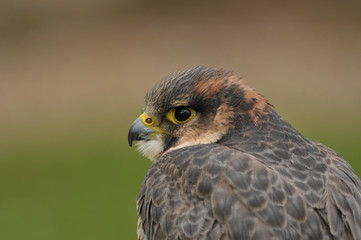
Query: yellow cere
x,y
150,122
147,119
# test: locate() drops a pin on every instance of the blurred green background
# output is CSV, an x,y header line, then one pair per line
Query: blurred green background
x,y
73,76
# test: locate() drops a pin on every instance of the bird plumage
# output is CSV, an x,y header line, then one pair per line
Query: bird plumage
x,y
240,171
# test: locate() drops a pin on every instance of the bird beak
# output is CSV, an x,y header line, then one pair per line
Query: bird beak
x,y
138,131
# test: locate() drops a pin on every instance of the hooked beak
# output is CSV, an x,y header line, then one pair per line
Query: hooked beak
x,y
138,131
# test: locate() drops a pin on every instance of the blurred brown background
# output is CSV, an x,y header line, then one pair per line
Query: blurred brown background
x,y
73,76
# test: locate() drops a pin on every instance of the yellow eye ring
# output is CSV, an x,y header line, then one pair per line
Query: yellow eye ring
x,y
180,115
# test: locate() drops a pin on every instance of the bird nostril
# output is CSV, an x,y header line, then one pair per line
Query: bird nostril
x,y
148,120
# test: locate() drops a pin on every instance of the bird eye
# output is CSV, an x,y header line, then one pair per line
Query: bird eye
x,y
180,115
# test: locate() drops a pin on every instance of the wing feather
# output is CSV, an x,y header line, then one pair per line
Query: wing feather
x,y
219,192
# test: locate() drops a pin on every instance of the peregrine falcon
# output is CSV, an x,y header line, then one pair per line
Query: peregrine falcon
x,y
227,166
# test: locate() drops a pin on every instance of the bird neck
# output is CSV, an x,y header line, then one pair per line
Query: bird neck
x,y
264,134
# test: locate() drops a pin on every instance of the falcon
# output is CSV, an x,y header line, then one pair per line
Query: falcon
x,y
227,166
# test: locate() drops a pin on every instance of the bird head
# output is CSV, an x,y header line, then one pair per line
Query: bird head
x,y
197,106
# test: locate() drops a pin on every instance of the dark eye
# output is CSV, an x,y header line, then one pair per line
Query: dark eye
x,y
182,114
